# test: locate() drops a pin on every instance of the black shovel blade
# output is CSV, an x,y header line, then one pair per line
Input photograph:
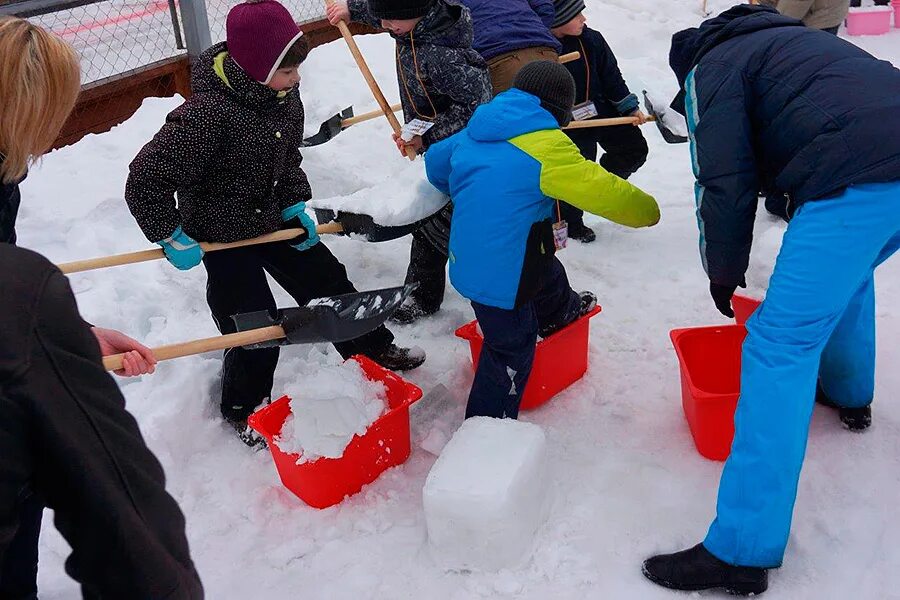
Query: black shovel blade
x,y
328,129
365,226
659,118
334,319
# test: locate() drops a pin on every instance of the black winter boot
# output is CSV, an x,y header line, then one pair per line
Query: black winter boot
x,y
855,419
395,358
588,302
247,435
409,312
696,569
583,234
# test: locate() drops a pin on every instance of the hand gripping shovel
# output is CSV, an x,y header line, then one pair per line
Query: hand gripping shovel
x,y
335,319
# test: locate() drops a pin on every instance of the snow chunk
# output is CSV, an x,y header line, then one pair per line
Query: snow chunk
x,y
400,199
486,496
338,403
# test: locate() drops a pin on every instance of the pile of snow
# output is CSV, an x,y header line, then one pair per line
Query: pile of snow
x,y
486,496
335,405
402,198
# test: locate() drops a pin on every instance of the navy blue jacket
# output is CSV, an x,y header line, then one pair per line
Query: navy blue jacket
x,y
503,26
596,73
777,106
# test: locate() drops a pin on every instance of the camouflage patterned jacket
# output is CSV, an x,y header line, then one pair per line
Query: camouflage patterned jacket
x,y
441,78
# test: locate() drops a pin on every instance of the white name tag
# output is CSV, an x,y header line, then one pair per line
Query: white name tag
x,y
414,128
584,111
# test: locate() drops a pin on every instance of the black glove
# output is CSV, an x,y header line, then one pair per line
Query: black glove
x,y
721,295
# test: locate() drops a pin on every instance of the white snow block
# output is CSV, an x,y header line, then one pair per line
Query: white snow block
x,y
487,495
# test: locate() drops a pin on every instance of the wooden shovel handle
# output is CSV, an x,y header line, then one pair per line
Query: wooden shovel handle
x,y
220,342
605,122
566,58
147,255
370,80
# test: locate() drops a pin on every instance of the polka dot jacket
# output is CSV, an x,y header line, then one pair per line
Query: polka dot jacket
x,y
230,155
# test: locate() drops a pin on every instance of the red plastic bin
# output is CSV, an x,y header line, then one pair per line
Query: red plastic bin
x,y
559,360
327,481
743,306
710,359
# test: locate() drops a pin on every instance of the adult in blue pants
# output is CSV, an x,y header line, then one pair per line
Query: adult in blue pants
x,y
773,105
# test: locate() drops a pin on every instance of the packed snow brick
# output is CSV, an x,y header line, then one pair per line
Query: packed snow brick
x,y
486,496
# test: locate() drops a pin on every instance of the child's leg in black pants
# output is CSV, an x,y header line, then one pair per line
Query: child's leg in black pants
x,y
428,268
509,343
237,283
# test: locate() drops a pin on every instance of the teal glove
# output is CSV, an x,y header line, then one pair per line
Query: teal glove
x,y
296,217
182,250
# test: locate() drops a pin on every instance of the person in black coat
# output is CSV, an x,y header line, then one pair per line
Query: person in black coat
x,y
231,154
66,439
600,92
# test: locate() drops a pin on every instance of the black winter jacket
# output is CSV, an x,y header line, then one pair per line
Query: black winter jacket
x,y
597,75
9,209
231,154
441,78
777,106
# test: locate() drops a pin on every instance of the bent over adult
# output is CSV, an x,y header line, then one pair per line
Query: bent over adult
x,y
774,105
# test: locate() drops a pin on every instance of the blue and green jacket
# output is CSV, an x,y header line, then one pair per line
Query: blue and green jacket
x,y
502,172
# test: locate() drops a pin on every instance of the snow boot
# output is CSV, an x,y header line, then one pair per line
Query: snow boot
x,y
588,302
697,569
395,358
856,419
409,312
247,434
583,234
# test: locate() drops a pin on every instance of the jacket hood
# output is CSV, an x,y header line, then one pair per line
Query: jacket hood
x,y
510,114
691,45
215,71
447,24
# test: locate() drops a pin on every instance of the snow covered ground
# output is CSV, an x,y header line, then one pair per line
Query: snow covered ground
x,y
626,478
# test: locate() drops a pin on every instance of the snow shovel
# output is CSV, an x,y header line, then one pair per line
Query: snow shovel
x,y
659,117
329,128
335,319
348,223
341,121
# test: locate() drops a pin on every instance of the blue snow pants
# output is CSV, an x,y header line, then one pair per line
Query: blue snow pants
x,y
818,320
509,339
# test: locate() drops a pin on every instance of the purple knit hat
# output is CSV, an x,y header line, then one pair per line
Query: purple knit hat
x,y
259,34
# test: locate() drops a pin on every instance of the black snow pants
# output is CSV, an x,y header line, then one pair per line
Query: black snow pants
x,y
66,438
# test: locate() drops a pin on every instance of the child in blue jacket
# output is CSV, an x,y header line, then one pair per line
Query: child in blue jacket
x,y
501,172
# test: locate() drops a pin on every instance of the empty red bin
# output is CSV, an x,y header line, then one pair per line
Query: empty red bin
x,y
559,360
710,359
327,481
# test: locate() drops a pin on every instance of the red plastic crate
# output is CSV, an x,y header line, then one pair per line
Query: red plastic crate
x,y
327,481
559,360
710,359
743,306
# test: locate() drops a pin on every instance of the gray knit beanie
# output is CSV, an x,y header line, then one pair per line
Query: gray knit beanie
x,y
553,84
566,10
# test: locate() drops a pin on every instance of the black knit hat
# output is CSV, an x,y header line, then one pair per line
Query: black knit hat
x,y
553,84
566,10
399,9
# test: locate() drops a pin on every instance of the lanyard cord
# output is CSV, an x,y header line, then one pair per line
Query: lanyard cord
x,y
587,71
418,77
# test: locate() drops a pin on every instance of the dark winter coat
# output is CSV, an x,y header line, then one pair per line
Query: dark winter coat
x,y
503,26
442,79
9,209
596,73
774,105
231,154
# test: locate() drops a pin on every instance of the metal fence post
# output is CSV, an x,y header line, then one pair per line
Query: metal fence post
x,y
196,27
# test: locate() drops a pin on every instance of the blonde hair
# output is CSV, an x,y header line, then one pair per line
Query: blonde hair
x,y
40,78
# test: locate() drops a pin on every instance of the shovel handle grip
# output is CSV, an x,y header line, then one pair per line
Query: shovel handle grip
x,y
113,362
605,122
571,56
370,80
146,255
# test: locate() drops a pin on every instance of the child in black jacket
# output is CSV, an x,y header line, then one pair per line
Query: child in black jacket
x,y
231,154
600,92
